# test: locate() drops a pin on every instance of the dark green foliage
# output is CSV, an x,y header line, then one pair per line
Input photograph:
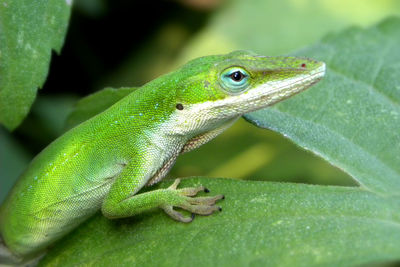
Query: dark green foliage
x,y
29,30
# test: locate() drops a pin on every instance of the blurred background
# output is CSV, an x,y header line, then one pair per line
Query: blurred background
x,y
127,43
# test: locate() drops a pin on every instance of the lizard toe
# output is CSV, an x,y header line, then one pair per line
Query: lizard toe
x,y
176,215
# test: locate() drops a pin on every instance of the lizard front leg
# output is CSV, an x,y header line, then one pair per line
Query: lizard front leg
x,y
122,200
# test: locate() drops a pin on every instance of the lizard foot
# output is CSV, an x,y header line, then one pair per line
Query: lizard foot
x,y
195,205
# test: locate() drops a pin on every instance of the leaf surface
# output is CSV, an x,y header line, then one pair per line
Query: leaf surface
x,y
29,30
352,117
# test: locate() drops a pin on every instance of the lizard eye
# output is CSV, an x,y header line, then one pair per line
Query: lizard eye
x,y
235,79
237,76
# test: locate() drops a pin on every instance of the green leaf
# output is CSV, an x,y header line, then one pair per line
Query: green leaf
x,y
50,114
351,118
29,30
262,224
13,160
95,103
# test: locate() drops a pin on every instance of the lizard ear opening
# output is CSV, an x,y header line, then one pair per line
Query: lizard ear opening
x,y
179,106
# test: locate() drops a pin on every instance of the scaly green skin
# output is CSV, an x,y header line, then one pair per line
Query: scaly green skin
x,y
103,162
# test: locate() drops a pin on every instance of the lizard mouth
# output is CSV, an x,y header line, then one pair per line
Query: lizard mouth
x,y
296,85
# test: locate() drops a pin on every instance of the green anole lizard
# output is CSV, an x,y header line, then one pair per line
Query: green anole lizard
x,y
102,163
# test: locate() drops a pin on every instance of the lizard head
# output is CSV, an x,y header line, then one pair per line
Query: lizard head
x,y
224,87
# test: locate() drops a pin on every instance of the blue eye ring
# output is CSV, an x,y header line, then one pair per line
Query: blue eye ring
x,y
235,79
